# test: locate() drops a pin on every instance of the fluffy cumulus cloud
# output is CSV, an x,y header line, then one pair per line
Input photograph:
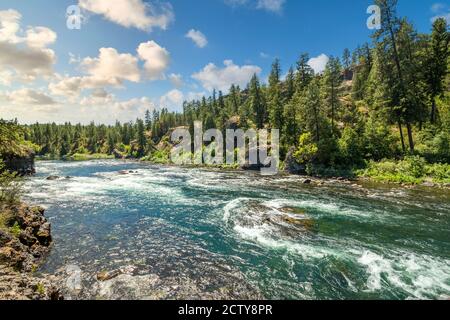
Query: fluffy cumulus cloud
x,y
156,59
213,77
111,68
198,38
172,99
27,97
132,13
25,53
319,63
267,5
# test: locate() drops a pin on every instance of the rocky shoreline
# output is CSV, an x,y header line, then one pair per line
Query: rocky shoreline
x,y
25,241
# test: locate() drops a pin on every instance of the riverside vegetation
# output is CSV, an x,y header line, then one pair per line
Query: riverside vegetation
x,y
381,111
25,235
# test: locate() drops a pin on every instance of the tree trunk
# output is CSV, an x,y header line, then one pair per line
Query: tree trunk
x,y
433,110
410,137
401,136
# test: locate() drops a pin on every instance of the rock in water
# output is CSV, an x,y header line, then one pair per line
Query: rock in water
x,y
52,178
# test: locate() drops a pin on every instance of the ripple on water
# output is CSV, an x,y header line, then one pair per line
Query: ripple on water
x,y
192,233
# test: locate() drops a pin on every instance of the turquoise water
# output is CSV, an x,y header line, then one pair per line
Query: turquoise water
x,y
189,233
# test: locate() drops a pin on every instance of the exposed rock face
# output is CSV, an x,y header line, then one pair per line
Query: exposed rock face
x,y
23,165
21,252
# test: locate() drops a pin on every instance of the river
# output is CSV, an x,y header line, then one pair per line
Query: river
x,y
178,233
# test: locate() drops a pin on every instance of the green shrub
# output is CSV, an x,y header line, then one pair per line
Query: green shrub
x,y
15,230
412,170
10,186
306,150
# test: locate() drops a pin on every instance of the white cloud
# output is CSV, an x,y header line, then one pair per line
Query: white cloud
x,y
25,53
156,59
67,87
213,77
172,100
40,37
271,5
73,59
28,97
198,37
319,63
132,13
191,96
267,5
440,10
6,78
111,68
176,79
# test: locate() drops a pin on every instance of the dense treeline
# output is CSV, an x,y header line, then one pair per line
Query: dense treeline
x,y
385,100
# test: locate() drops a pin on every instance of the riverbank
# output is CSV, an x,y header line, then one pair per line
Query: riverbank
x,y
25,241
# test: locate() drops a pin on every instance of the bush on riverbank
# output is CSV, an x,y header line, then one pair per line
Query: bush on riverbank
x,y
10,187
86,157
413,170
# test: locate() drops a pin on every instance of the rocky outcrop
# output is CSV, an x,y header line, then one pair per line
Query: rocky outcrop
x,y
25,240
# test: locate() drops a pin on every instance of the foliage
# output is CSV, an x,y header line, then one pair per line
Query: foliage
x,y
412,169
15,229
10,187
307,149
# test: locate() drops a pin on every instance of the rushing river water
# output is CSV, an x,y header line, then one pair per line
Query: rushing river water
x,y
189,233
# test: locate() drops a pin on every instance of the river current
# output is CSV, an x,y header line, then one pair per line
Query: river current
x,y
178,233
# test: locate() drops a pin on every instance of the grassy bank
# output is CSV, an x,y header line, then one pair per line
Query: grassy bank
x,y
411,170
76,157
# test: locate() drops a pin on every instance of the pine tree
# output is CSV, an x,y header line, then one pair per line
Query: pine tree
x,y
275,102
141,139
304,73
346,58
436,63
256,103
331,85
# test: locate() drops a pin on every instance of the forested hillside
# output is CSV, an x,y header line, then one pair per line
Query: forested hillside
x,y
388,99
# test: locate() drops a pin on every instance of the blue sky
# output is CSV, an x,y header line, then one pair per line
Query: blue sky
x,y
232,39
